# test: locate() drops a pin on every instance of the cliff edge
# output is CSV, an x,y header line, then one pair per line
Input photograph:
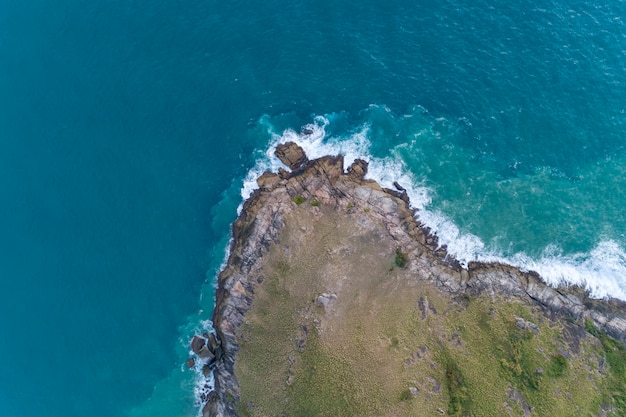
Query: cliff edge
x,y
311,247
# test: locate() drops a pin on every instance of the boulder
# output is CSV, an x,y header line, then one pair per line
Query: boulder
x,y
211,406
197,343
292,155
358,169
283,173
191,362
268,181
205,353
398,186
328,168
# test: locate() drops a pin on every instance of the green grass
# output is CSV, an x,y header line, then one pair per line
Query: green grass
x,y
558,366
459,402
326,385
394,342
406,395
466,355
518,358
298,199
615,354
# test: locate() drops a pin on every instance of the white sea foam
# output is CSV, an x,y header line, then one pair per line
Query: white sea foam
x,y
601,271
202,385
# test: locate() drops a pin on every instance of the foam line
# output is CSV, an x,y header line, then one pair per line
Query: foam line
x,y
601,270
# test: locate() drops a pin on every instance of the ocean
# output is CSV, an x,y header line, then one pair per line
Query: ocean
x,y
131,131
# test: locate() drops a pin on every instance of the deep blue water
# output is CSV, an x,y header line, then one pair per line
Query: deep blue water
x,y
128,127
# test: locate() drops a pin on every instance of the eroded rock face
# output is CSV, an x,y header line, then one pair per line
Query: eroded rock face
x,y
197,343
292,155
268,181
324,181
358,169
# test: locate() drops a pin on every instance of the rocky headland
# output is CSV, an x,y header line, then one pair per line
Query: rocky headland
x,y
336,300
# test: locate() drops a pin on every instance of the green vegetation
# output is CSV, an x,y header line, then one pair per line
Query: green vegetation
x,y
406,395
558,365
458,394
349,206
298,199
315,202
389,343
402,259
394,342
518,358
615,355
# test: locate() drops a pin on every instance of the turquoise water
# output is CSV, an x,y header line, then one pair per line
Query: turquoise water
x,y
131,129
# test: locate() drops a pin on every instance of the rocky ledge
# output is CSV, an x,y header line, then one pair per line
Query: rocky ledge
x,y
324,183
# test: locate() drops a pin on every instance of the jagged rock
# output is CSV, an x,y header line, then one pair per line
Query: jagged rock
x,y
358,169
516,396
197,343
206,371
526,325
328,168
214,343
399,187
323,300
205,353
191,362
423,306
283,173
292,155
268,181
211,407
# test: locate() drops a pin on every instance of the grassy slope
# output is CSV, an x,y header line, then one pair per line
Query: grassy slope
x,y
390,345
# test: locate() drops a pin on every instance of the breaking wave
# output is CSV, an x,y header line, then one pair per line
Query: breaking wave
x,y
600,269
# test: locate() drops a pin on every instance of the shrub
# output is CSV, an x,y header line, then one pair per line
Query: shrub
x,y
394,342
406,395
402,259
558,365
298,199
459,399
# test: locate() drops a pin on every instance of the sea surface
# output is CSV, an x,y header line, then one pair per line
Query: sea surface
x,y
131,131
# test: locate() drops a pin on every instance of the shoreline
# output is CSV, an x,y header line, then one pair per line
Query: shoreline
x,y
325,180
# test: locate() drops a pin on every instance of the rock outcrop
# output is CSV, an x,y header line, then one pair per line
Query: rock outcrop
x,y
325,181
292,155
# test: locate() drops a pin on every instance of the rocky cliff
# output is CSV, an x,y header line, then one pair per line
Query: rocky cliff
x,y
324,185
